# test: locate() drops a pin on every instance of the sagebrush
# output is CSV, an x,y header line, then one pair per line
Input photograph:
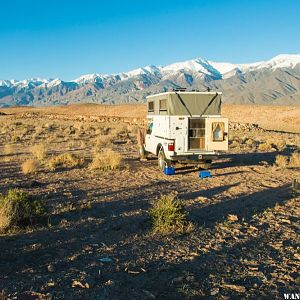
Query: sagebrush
x,y
169,215
18,208
65,160
30,166
106,160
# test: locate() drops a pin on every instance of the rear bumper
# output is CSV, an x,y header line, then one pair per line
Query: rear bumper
x,y
193,157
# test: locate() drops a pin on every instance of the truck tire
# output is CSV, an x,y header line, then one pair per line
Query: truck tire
x,y
162,163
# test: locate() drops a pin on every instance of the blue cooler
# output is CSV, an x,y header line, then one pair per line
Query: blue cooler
x,y
204,174
169,171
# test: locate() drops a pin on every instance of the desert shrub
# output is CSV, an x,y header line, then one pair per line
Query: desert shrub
x,y
295,159
9,149
65,160
235,144
15,138
39,130
249,142
50,127
168,215
103,141
279,144
18,208
119,129
281,161
265,147
39,151
30,166
106,160
133,128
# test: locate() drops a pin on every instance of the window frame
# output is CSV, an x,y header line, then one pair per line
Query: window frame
x,y
151,102
218,124
166,105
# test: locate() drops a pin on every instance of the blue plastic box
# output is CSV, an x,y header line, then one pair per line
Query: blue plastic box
x,y
204,174
169,171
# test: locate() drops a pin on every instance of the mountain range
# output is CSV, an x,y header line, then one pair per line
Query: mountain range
x,y
276,81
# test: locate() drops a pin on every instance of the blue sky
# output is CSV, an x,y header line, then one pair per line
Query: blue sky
x,y
66,39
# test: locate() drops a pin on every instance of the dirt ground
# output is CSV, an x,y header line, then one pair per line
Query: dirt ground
x,y
99,244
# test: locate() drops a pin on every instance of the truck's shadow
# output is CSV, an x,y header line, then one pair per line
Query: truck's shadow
x,y
244,206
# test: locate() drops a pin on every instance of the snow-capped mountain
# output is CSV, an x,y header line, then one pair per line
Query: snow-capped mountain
x,y
274,81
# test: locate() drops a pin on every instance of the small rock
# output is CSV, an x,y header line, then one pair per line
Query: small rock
x,y
109,283
149,295
190,278
232,218
234,287
50,268
106,260
77,283
214,291
178,279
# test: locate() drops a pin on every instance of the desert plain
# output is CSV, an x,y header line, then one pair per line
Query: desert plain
x,y
98,241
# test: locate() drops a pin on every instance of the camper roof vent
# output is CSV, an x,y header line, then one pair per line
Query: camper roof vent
x,y
179,89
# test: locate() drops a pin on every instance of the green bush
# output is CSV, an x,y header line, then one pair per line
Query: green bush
x,y
18,208
168,215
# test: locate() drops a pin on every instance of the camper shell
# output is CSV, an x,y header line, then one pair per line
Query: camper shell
x,y
185,127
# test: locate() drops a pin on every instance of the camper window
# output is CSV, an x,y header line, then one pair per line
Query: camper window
x,y
163,105
218,131
151,106
150,127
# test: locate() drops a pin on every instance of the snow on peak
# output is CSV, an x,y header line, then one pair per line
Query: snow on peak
x,y
54,82
282,61
217,70
90,78
7,83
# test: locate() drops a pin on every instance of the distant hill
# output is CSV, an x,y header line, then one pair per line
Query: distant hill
x,y
276,81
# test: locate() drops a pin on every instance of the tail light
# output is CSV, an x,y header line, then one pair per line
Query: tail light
x,y
171,147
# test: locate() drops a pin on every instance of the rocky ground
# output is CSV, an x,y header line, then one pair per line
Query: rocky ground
x,y
98,243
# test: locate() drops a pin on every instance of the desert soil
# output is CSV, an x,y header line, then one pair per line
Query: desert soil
x,y
99,244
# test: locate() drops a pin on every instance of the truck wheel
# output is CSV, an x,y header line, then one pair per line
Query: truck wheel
x,y
162,160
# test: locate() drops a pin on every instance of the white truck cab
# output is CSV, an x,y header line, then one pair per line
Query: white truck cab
x,y
185,127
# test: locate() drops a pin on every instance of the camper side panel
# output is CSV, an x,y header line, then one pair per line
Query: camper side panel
x,y
179,132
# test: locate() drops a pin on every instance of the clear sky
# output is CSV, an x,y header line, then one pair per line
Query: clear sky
x,y
66,39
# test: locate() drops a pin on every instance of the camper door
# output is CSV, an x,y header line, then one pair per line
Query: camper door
x,y
216,133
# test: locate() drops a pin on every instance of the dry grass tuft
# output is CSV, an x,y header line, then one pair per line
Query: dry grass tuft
x,y
279,144
39,151
9,149
295,160
168,215
65,160
18,208
281,161
265,147
30,166
249,142
103,141
106,160
235,144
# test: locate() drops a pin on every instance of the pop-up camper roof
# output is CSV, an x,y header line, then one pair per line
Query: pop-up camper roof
x,y
184,103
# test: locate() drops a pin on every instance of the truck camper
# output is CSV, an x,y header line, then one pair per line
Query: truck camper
x,y
185,127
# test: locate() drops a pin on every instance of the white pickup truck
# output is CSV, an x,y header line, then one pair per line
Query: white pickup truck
x,y
185,127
